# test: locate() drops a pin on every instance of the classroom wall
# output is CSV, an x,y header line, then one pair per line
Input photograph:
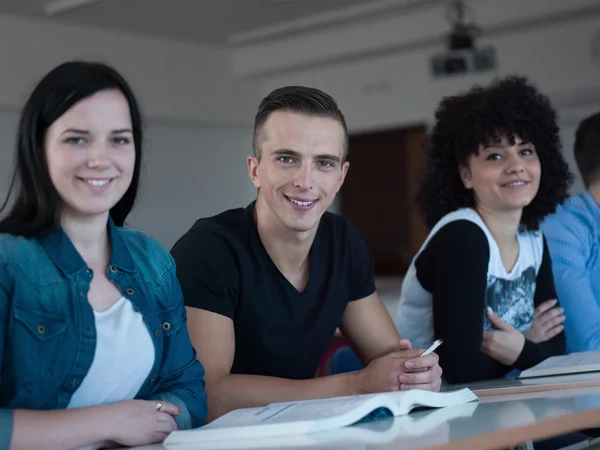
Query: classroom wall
x,y
380,83
200,99
188,172
175,80
198,127
191,172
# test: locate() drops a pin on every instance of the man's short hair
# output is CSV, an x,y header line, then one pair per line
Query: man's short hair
x,y
587,149
299,99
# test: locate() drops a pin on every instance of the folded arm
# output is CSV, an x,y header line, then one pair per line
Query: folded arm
x,y
367,325
213,336
534,353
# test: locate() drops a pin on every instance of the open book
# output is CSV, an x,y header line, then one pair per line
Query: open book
x,y
427,425
565,364
311,416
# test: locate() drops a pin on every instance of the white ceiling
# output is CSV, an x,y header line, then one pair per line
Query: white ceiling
x,y
224,22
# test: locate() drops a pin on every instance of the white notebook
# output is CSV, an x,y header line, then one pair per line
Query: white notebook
x,y
312,416
561,365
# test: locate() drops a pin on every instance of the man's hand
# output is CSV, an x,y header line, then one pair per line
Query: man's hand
x,y
547,322
504,344
402,369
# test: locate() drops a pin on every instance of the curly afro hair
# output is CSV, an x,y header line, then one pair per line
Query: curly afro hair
x,y
481,116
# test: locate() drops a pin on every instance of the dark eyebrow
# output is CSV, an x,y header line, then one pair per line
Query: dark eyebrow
x,y
331,157
75,131
287,152
498,146
298,155
80,131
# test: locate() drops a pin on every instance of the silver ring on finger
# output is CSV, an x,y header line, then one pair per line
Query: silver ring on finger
x,y
159,406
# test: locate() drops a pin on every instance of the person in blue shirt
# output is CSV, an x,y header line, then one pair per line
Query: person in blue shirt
x,y
94,350
573,235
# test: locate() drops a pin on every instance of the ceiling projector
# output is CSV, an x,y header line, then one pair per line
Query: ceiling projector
x,y
462,56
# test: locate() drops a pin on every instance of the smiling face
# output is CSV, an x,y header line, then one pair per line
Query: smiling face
x,y
300,169
503,177
91,154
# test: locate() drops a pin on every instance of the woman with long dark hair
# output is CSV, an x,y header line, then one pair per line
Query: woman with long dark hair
x,y
94,349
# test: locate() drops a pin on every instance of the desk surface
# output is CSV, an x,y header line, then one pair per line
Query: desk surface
x,y
482,425
542,384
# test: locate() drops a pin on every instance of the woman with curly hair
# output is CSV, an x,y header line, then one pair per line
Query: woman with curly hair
x,y
482,281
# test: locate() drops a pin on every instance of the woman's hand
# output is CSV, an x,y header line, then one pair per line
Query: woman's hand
x,y
505,344
547,322
140,422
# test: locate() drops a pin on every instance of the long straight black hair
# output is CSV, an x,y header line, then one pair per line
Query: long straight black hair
x,y
36,205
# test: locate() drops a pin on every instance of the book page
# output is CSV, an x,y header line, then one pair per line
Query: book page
x,y
319,410
568,379
571,360
432,399
312,410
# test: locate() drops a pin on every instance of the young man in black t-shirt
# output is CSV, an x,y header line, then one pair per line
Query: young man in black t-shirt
x,y
266,286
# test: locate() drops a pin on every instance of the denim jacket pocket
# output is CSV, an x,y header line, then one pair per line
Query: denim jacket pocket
x,y
171,321
38,337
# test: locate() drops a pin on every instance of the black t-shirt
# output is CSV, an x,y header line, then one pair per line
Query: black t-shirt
x,y
223,267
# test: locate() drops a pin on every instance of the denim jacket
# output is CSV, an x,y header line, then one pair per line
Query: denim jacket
x,y
47,331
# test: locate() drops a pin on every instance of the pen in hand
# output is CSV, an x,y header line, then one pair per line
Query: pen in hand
x,y
432,347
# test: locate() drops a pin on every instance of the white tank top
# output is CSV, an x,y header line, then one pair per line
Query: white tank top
x,y
123,359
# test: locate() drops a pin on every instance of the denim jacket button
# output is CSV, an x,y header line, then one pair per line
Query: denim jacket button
x,y
41,329
152,381
157,333
113,269
166,326
130,291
